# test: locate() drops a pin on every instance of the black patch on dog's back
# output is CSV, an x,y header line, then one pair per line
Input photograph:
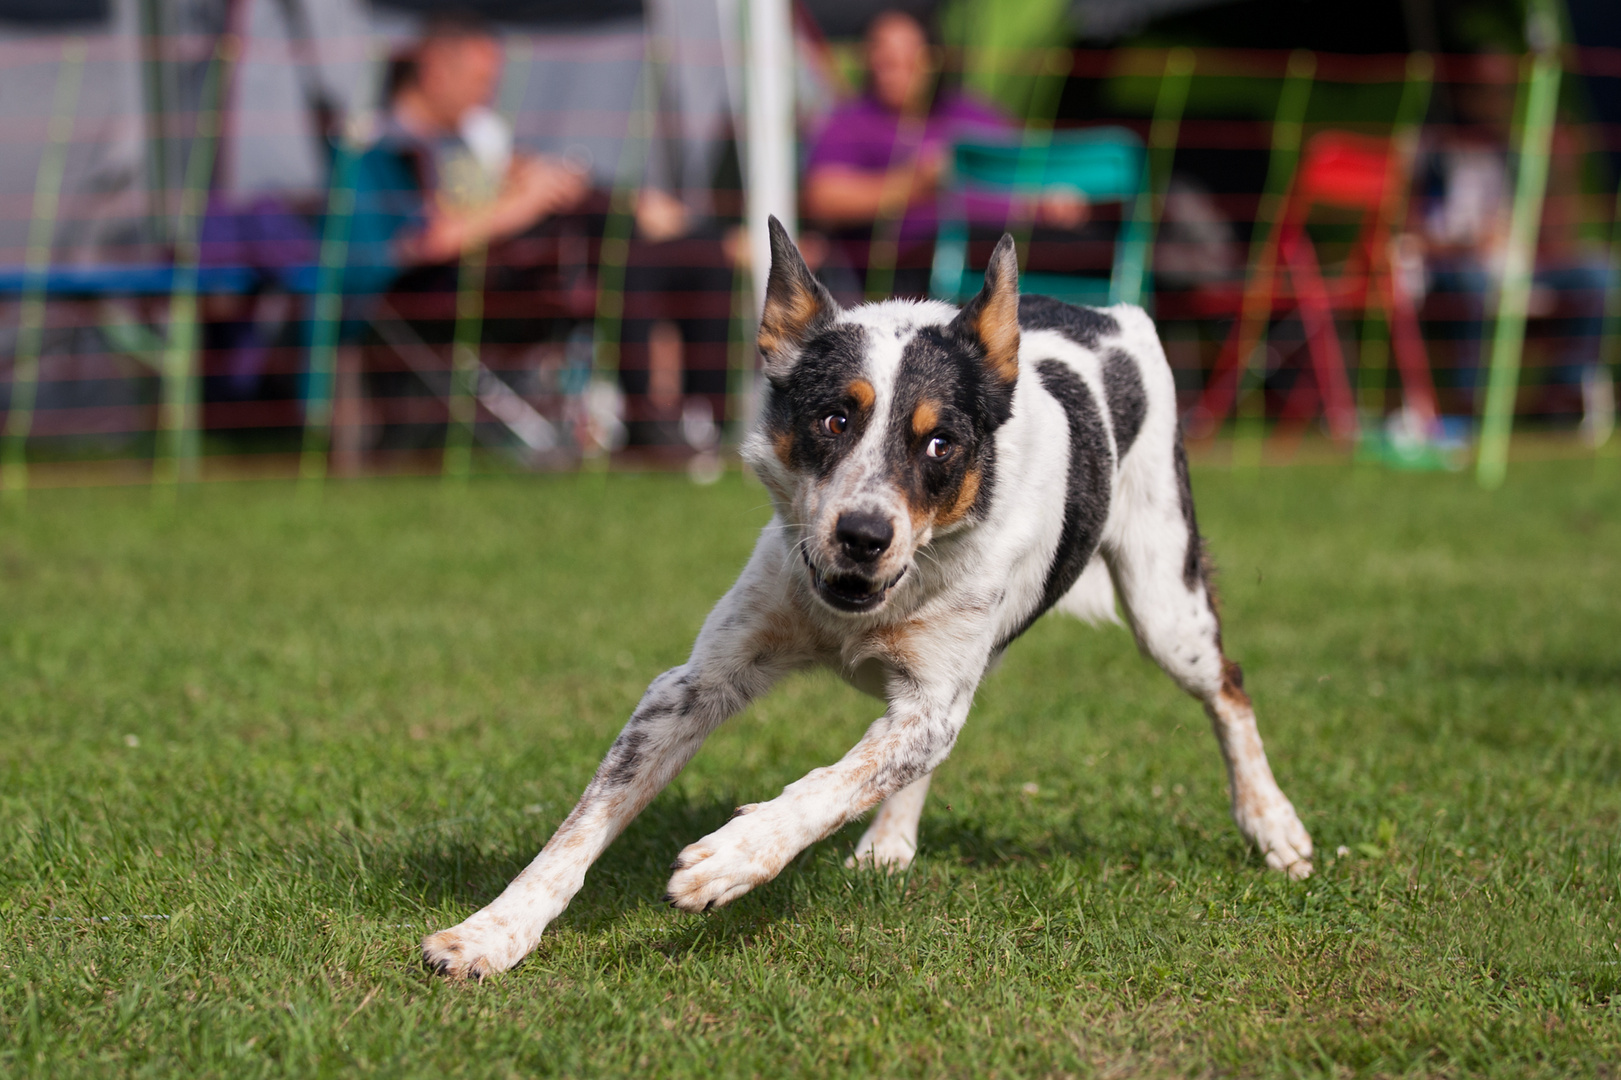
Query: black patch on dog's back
x,y
1082,325
1128,401
1087,493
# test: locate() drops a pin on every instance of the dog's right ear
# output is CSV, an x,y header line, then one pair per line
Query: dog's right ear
x,y
797,307
991,319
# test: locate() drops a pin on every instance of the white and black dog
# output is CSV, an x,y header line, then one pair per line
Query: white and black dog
x,y
940,479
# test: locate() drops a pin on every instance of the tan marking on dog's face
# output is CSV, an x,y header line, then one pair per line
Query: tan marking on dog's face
x,y
783,445
966,494
919,514
925,417
862,393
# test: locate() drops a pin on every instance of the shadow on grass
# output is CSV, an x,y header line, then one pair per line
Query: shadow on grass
x,y
977,843
455,874
1584,671
462,870
465,869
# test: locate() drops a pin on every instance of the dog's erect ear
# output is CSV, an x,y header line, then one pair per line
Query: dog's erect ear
x,y
992,317
797,307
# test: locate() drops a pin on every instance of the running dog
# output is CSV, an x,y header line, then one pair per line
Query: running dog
x,y
941,478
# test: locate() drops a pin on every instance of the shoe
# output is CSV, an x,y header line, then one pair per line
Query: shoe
x,y
1598,406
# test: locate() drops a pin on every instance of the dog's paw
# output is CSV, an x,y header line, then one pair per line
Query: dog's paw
x,y
1283,840
719,868
883,850
474,949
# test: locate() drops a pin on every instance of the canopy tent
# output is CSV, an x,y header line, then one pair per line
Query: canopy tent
x,y
101,149
593,81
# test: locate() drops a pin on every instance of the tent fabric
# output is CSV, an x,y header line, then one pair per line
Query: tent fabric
x,y
576,90
531,12
103,193
55,14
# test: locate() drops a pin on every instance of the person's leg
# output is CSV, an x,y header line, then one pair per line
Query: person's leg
x,y
1456,312
706,331
678,307
350,412
1577,329
408,383
650,350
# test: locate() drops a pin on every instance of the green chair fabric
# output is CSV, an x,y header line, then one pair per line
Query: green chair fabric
x,y
1107,164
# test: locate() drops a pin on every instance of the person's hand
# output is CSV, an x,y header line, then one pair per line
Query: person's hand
x,y
926,175
1063,208
441,239
734,242
660,216
535,188
540,186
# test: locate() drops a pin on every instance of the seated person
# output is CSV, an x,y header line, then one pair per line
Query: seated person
x,y
1460,228
873,172
442,181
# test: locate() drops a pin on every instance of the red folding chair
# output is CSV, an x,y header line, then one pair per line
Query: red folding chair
x,y
1344,171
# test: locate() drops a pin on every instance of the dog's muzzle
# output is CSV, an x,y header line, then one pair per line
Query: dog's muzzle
x,y
849,592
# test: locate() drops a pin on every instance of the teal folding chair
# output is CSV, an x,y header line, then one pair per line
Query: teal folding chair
x,y
1106,164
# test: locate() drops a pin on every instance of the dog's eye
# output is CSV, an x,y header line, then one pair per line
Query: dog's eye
x,y
836,423
939,448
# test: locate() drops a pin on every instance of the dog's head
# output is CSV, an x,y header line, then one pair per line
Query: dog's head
x,y
878,423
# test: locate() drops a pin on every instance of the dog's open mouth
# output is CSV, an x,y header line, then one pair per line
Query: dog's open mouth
x,y
850,592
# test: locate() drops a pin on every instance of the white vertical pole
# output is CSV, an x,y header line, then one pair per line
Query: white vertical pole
x,y
770,105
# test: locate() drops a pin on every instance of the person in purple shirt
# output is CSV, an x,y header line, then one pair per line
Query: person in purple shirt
x,y
873,172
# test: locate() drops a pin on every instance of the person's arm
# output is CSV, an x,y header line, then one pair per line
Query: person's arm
x,y
388,205
536,188
837,194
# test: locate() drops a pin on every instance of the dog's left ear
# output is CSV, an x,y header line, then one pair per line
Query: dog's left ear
x,y
797,306
992,318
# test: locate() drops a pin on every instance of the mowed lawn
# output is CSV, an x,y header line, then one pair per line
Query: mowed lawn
x,y
254,746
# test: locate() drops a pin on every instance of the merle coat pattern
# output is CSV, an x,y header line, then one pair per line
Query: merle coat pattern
x,y
940,478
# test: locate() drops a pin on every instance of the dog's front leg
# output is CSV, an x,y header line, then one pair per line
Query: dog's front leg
x,y
745,646
899,750
890,842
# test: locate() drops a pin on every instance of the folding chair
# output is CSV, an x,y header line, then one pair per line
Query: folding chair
x,y
1106,164
1344,171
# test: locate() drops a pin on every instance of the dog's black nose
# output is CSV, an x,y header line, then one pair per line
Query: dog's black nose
x,y
864,537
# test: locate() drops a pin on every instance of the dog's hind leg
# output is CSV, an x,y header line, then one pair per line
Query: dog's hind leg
x,y
1154,552
747,643
890,842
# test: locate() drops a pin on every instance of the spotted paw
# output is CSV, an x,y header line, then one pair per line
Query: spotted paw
x,y
721,867
474,949
1283,840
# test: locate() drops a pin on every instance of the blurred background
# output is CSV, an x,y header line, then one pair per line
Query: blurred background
x,y
278,237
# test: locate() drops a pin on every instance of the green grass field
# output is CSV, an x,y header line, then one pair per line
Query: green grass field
x,y
254,747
